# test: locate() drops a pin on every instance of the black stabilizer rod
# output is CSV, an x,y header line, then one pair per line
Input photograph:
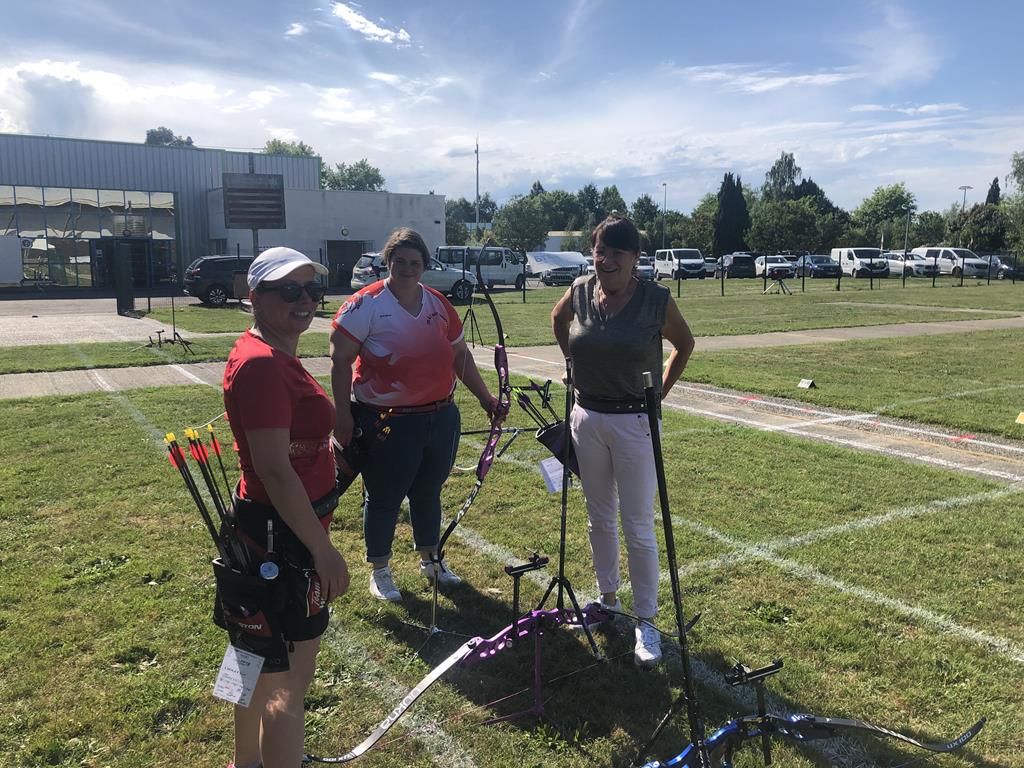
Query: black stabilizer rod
x,y
693,714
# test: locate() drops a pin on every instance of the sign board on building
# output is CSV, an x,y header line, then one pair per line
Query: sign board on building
x,y
254,201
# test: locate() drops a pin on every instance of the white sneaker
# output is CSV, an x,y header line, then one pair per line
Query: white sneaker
x,y
439,571
382,585
647,651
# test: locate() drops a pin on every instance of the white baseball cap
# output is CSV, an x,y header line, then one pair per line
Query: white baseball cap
x,y
275,263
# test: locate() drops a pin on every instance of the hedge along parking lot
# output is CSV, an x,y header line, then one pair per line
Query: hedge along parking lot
x,y
846,575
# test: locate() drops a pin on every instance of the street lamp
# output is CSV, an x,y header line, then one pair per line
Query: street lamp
x,y
664,205
965,187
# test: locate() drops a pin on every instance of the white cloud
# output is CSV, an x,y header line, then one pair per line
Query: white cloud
x,y
256,100
418,89
335,106
752,78
897,50
368,29
923,109
296,29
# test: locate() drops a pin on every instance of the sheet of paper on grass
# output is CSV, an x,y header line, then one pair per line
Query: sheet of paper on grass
x,y
237,677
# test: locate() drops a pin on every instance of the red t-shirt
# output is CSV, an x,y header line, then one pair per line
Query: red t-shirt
x,y
265,388
404,359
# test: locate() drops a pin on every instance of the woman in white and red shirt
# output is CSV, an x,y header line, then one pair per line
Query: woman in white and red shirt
x,y
405,340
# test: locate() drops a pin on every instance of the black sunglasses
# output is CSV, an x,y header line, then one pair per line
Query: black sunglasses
x,y
291,292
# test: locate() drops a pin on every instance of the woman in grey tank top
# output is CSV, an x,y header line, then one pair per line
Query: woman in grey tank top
x,y
611,325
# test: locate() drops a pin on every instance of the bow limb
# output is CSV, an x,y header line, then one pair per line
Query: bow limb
x,y
801,727
464,650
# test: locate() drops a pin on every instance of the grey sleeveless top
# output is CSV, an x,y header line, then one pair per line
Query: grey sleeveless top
x,y
610,355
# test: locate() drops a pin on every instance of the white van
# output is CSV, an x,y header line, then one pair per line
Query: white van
x,y
952,260
679,262
499,266
861,262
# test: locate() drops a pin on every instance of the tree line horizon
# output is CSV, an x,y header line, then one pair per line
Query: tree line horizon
x,y
788,211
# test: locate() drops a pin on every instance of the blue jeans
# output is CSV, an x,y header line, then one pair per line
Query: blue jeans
x,y
408,456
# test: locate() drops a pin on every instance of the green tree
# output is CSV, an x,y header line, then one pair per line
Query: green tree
x,y
884,212
645,212
520,225
289,148
590,203
459,208
488,208
992,198
611,200
780,181
455,231
357,177
732,220
928,228
561,209
808,189
1012,207
536,189
981,228
165,137
698,229
1017,170
779,225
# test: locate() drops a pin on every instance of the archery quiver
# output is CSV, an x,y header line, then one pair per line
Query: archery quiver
x,y
250,608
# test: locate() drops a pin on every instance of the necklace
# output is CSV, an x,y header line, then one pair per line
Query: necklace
x,y
603,304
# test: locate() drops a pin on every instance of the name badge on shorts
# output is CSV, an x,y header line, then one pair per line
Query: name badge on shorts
x,y
238,674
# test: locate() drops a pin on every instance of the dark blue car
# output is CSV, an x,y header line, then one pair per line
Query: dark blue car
x,y
816,265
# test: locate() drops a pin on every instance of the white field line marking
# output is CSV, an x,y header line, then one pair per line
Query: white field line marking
x,y
866,416
1001,645
444,749
101,382
189,375
964,393
815,422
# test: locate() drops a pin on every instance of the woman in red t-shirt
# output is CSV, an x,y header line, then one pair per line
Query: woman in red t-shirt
x,y
405,340
281,419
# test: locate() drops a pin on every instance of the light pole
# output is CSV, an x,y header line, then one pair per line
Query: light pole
x,y
963,209
664,205
965,187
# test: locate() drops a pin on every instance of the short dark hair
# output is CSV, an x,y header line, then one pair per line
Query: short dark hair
x,y
617,232
405,237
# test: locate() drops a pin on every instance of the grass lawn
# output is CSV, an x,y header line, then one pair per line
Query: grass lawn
x,y
113,663
967,381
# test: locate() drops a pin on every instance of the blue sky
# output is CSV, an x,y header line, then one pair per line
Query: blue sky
x,y
631,93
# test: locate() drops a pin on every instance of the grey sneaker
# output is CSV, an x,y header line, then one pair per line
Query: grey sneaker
x,y
382,585
647,651
439,571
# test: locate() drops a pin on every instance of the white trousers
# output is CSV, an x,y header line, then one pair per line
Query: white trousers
x,y
619,480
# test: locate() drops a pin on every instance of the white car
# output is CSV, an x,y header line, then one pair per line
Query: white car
x,y
644,267
680,263
954,261
779,267
447,280
498,265
909,264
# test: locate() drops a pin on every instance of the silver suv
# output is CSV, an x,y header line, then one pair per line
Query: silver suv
x,y
448,280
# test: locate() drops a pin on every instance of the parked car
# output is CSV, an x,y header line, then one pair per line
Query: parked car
x,y
816,265
369,269
556,267
779,267
1000,269
793,255
645,267
861,262
679,263
211,278
909,264
497,265
710,266
954,261
448,280
737,265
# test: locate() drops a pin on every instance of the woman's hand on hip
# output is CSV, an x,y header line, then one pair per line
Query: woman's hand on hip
x,y
333,571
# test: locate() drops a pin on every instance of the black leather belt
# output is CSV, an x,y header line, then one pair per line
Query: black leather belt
x,y
322,507
612,405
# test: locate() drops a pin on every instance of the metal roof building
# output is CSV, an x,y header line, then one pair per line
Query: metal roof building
x,y
71,201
